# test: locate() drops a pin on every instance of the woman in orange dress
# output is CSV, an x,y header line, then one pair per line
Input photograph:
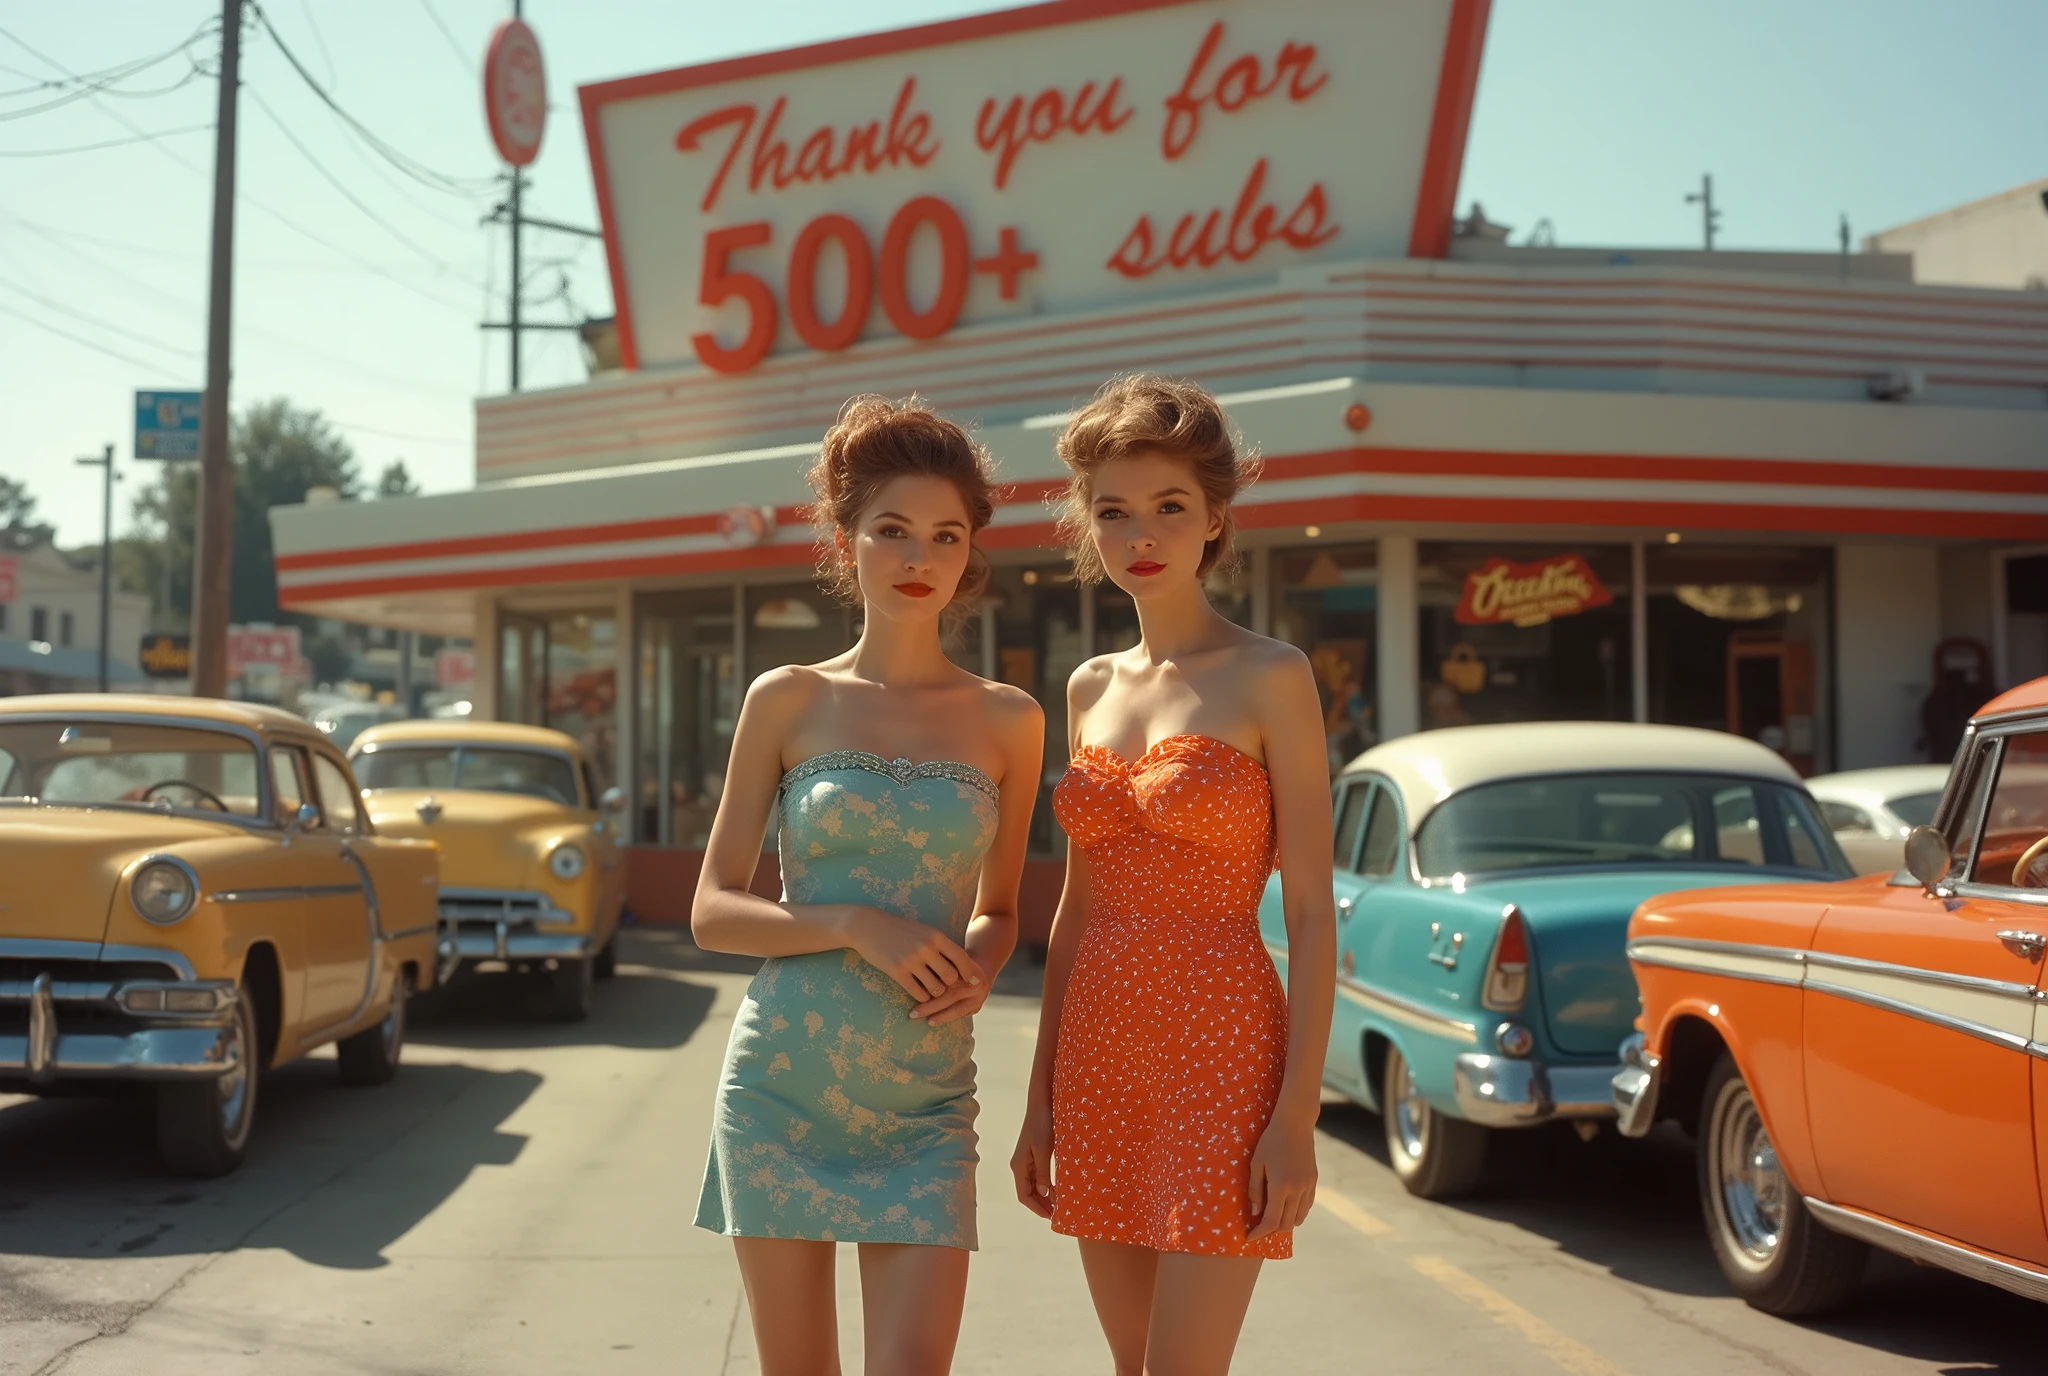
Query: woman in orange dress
x,y
1171,1120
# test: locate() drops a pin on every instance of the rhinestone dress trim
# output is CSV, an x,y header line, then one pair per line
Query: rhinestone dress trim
x,y
899,769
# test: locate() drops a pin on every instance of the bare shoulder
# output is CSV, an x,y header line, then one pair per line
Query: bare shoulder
x,y
1087,684
786,692
1010,707
1273,663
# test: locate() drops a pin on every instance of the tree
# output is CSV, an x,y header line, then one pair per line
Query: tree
x,y
19,528
395,481
279,452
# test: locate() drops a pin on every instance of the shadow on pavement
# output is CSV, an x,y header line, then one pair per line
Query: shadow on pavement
x,y
634,1009
1632,1208
334,1176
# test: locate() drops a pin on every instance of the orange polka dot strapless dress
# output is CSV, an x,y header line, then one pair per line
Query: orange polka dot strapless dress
x,y
1173,1035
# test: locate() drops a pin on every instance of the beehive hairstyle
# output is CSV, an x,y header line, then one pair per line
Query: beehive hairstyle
x,y
875,440
1145,413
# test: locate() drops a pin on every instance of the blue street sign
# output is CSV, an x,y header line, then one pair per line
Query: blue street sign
x,y
167,425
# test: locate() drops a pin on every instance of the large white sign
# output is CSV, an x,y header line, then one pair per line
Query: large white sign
x,y
1045,160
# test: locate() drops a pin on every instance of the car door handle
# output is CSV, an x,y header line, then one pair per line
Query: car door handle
x,y
2027,944
1343,910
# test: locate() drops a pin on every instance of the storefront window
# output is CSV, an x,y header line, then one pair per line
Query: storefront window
x,y
1036,613
561,670
583,684
1326,602
1523,632
688,705
794,623
1739,642
522,657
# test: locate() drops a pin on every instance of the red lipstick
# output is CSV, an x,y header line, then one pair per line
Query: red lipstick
x,y
1144,568
915,589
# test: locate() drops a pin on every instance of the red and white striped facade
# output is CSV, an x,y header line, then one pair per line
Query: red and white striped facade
x,y
1616,397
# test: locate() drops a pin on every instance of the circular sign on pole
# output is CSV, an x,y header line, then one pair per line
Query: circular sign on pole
x,y
515,92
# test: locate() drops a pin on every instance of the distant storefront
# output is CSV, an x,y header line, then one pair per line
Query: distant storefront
x,y
1750,492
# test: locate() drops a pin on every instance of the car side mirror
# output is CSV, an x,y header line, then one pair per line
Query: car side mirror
x,y
1928,856
305,819
614,799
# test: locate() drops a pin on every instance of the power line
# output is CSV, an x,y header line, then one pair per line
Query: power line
x,y
463,187
79,339
47,304
454,45
265,207
96,147
98,83
187,310
393,230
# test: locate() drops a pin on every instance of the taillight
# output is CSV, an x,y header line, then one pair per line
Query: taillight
x,y
1507,971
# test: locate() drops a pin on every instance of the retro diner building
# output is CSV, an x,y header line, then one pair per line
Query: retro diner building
x,y
1746,491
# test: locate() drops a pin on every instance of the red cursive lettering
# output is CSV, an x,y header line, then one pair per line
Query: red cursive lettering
x,y
1203,241
1047,115
1243,81
823,156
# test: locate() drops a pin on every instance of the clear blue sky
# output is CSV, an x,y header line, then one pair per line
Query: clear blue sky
x,y
1597,114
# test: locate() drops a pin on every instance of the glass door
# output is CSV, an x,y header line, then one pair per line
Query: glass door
x,y
688,706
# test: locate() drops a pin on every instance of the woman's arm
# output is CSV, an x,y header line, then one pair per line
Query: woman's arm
x,y
1031,1163
992,932
1283,1176
726,916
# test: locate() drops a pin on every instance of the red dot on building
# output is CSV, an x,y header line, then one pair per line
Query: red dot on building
x,y
1358,415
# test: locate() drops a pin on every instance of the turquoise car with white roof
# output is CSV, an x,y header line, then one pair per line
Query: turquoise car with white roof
x,y
1484,880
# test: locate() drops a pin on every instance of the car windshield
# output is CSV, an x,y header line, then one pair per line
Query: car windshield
x,y
1916,809
487,769
1624,819
110,763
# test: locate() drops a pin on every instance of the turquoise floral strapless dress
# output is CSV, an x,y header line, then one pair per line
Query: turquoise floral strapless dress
x,y
839,1118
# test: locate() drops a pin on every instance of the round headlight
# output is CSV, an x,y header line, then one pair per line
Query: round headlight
x,y
566,862
165,890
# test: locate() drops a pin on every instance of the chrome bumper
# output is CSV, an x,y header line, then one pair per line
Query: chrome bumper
x,y
107,1047
1635,1088
501,924
507,942
1504,1092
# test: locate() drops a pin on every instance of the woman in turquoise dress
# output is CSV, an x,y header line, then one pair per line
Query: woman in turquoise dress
x,y
901,789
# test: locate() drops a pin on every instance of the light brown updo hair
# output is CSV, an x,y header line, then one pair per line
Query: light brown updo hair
x,y
874,441
1142,412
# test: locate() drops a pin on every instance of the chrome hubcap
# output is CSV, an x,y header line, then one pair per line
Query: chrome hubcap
x,y
1752,1187
233,1083
1411,1111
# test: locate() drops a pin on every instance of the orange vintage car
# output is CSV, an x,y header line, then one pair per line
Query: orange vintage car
x,y
532,876
1865,1063
190,893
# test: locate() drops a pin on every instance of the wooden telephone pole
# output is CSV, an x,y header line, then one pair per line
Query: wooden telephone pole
x,y
213,558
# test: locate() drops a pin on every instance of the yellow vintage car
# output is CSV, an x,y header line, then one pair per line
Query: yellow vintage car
x,y
191,893
532,879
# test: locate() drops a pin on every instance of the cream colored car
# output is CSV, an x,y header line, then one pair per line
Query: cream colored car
x,y
190,894
1871,810
532,875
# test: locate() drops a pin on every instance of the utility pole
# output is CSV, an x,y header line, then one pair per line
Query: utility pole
x,y
213,571
518,180
1710,218
105,461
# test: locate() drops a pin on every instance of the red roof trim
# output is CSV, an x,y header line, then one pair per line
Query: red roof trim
x,y
963,30
1457,85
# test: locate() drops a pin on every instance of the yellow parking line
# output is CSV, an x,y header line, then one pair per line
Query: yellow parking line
x,y
1371,1224
1568,1353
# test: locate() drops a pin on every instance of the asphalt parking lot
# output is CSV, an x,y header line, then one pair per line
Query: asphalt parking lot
x,y
519,1200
